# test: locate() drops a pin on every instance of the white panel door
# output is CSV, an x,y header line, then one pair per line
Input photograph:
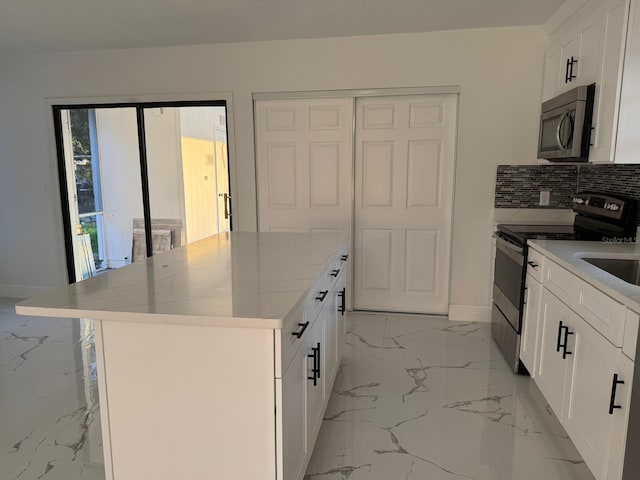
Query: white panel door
x,y
404,171
304,151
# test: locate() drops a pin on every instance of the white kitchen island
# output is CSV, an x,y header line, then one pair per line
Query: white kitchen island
x,y
215,360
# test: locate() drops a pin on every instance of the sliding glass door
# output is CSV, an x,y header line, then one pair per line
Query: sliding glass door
x,y
139,179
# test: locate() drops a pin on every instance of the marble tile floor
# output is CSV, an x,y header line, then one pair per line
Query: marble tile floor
x,y
422,398
49,411
416,398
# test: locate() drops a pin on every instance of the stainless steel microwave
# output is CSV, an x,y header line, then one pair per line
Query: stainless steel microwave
x,y
565,125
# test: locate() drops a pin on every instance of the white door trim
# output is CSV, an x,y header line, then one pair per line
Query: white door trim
x,y
227,96
364,92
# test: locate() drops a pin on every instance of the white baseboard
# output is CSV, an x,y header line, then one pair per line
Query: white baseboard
x,y
469,313
22,291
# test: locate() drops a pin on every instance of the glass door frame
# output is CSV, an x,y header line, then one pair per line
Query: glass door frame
x,y
140,107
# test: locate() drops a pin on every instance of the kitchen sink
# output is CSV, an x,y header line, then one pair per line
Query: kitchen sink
x,y
627,269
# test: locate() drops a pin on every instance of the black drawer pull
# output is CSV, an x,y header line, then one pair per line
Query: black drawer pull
x,y
344,257
335,273
342,307
301,331
315,371
532,263
322,295
614,386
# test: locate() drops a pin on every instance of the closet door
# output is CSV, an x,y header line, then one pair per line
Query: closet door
x,y
304,151
404,170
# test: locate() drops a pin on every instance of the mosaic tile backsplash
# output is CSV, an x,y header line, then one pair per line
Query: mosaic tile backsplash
x,y
519,186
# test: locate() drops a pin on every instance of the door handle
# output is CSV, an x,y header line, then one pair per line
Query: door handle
x,y
342,296
227,212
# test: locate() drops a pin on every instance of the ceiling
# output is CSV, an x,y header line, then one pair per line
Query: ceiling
x,y
68,25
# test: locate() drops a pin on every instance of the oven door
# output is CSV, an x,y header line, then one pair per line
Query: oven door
x,y
508,280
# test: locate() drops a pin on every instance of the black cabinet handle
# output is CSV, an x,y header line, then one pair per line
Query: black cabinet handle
x,y
571,75
342,306
559,342
568,75
532,263
315,371
301,331
335,273
322,295
565,352
344,258
614,386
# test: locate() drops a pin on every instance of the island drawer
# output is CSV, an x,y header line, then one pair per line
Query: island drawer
x,y
630,334
318,295
289,338
535,264
560,282
599,310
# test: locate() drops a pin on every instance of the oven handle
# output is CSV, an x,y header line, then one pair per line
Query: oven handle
x,y
514,252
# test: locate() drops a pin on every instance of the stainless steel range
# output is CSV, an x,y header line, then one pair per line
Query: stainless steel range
x,y
599,217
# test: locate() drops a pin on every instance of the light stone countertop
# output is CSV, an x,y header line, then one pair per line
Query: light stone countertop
x,y
570,254
238,279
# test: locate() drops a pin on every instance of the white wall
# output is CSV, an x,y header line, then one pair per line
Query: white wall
x,y
200,122
117,134
499,71
164,162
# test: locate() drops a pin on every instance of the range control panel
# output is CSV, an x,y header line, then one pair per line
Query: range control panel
x,y
599,205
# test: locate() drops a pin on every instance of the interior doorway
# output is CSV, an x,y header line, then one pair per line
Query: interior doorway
x,y
138,179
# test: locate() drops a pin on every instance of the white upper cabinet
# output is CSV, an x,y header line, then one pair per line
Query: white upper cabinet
x,y
628,141
589,48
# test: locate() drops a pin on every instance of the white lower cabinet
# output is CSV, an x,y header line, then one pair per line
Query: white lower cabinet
x,y
529,339
620,418
304,389
292,389
583,375
316,376
555,318
587,416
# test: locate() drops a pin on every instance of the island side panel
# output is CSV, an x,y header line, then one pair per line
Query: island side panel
x,y
188,402
104,401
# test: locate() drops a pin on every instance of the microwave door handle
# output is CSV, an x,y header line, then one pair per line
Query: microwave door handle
x,y
558,139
